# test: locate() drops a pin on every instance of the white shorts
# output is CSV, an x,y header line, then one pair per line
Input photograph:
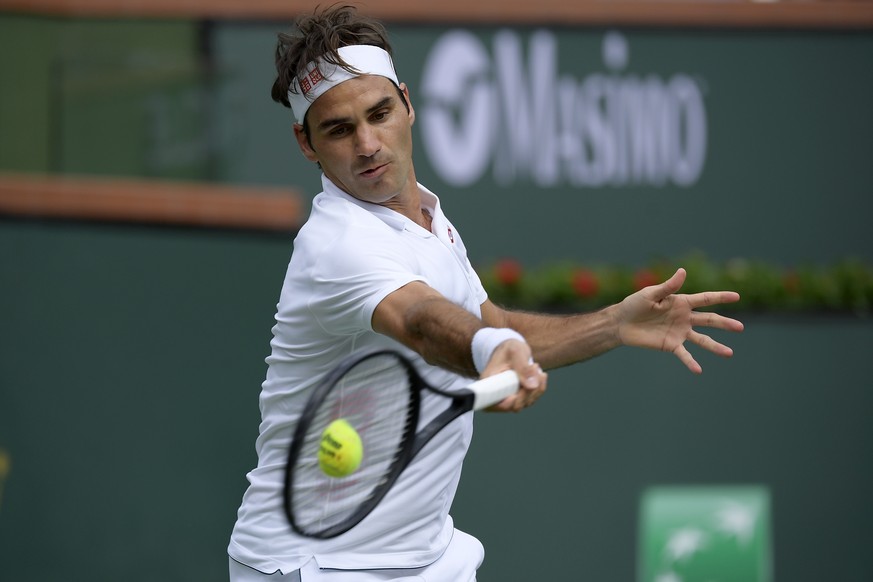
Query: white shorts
x,y
457,564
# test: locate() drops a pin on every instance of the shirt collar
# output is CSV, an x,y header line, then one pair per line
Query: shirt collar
x,y
394,219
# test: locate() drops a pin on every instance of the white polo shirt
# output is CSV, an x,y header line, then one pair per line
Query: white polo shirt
x,y
347,258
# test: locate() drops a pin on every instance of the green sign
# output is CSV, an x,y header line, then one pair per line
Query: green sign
x,y
705,534
604,144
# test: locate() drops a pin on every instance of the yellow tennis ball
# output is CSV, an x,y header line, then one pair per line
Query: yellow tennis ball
x,y
341,451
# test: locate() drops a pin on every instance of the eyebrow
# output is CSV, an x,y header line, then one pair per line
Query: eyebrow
x,y
384,102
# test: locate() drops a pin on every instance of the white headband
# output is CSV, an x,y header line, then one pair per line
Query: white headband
x,y
322,76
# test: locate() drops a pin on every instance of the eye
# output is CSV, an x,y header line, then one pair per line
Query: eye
x,y
380,115
338,131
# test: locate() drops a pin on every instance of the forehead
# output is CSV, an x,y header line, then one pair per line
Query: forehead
x,y
352,97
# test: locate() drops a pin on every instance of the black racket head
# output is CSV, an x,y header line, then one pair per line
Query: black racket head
x,y
378,394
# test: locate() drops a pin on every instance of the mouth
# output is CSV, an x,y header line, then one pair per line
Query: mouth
x,y
374,172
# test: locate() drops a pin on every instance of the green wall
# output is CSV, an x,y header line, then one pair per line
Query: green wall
x,y
130,363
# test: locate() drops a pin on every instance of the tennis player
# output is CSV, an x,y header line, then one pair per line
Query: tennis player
x,y
379,265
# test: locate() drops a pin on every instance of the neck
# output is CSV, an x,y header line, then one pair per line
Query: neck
x,y
408,203
426,220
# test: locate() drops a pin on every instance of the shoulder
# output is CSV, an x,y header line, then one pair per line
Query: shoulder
x,y
333,218
342,237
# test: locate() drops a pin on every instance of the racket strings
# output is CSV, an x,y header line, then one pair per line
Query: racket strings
x,y
374,398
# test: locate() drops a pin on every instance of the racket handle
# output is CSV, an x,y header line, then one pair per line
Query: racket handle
x,y
493,389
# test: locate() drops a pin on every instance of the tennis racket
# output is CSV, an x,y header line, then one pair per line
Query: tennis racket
x,y
378,393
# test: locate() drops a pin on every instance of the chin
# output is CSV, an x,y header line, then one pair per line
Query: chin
x,y
378,195
379,199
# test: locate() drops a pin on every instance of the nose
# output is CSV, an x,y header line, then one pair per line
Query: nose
x,y
367,142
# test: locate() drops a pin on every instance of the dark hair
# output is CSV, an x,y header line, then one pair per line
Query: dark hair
x,y
320,35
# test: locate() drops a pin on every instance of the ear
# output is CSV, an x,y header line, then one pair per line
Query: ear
x,y
303,142
405,90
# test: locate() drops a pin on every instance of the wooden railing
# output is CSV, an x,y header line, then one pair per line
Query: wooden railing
x,y
128,200
844,14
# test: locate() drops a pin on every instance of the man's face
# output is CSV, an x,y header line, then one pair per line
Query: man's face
x,y
361,133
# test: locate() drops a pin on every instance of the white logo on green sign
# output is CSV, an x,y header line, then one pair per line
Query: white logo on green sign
x,y
526,122
705,534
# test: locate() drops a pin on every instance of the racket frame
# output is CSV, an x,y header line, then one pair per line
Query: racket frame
x,y
461,402
401,460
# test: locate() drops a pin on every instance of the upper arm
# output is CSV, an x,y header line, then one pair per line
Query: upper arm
x,y
392,313
423,320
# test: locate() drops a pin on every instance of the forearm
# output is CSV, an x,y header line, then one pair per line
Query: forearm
x,y
557,340
442,333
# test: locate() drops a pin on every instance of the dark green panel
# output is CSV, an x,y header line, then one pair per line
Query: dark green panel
x,y
132,99
27,53
118,97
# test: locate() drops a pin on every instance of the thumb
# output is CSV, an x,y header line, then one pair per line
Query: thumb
x,y
532,377
670,286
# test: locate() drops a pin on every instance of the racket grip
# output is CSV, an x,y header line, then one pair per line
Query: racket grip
x,y
493,389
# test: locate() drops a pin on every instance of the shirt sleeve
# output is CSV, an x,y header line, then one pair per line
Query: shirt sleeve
x,y
353,276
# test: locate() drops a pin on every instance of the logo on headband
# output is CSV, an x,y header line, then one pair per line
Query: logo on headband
x,y
310,80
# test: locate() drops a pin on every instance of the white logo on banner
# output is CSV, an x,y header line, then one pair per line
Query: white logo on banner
x,y
525,122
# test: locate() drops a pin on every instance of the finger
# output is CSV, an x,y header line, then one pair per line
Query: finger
x,y
714,320
710,344
514,403
686,358
525,397
712,298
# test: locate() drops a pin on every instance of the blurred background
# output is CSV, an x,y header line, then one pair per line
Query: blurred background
x,y
150,191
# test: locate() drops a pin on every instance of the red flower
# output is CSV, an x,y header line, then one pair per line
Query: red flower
x,y
585,283
791,282
645,278
508,271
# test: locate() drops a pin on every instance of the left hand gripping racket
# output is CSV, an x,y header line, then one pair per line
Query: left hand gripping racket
x,y
379,394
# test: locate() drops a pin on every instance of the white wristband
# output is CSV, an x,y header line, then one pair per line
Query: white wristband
x,y
486,340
